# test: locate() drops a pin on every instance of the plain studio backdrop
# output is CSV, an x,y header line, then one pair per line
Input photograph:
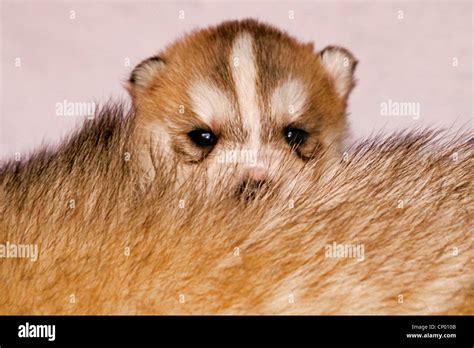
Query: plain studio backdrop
x,y
416,54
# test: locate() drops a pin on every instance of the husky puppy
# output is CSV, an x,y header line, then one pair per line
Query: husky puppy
x,y
152,211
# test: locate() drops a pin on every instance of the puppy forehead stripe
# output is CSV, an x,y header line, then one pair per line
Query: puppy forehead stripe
x,y
289,99
244,74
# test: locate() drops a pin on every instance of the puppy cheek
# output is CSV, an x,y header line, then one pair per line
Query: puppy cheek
x,y
311,149
188,152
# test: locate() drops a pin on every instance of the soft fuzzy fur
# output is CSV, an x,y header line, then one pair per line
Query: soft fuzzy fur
x,y
278,83
183,257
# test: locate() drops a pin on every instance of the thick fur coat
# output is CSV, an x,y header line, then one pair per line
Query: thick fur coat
x,y
108,245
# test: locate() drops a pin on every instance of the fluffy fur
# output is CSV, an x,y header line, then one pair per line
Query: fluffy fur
x,y
191,252
246,82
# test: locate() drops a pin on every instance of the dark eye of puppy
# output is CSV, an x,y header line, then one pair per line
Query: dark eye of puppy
x,y
295,136
202,137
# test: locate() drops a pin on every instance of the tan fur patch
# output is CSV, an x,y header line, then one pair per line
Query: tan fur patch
x,y
405,198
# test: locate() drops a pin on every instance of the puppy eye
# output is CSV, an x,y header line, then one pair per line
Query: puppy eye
x,y
202,137
294,136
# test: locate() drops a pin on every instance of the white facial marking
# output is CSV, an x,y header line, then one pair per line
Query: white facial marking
x,y
209,102
244,73
289,100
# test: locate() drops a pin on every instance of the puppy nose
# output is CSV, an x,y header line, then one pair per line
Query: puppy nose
x,y
254,180
248,189
257,174
253,185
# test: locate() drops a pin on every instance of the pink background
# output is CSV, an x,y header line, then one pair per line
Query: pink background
x,y
83,60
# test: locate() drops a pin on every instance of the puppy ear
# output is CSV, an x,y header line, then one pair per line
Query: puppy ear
x,y
144,73
340,65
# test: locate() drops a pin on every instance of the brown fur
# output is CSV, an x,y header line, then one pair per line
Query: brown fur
x,y
160,89
189,253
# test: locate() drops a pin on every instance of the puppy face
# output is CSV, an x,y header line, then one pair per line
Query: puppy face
x,y
245,96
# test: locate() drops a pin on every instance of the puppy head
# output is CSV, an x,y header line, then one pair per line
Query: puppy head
x,y
245,96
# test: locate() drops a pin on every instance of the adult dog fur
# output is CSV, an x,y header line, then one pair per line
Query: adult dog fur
x,y
107,245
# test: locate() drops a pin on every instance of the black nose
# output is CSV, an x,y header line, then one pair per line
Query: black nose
x,y
249,189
